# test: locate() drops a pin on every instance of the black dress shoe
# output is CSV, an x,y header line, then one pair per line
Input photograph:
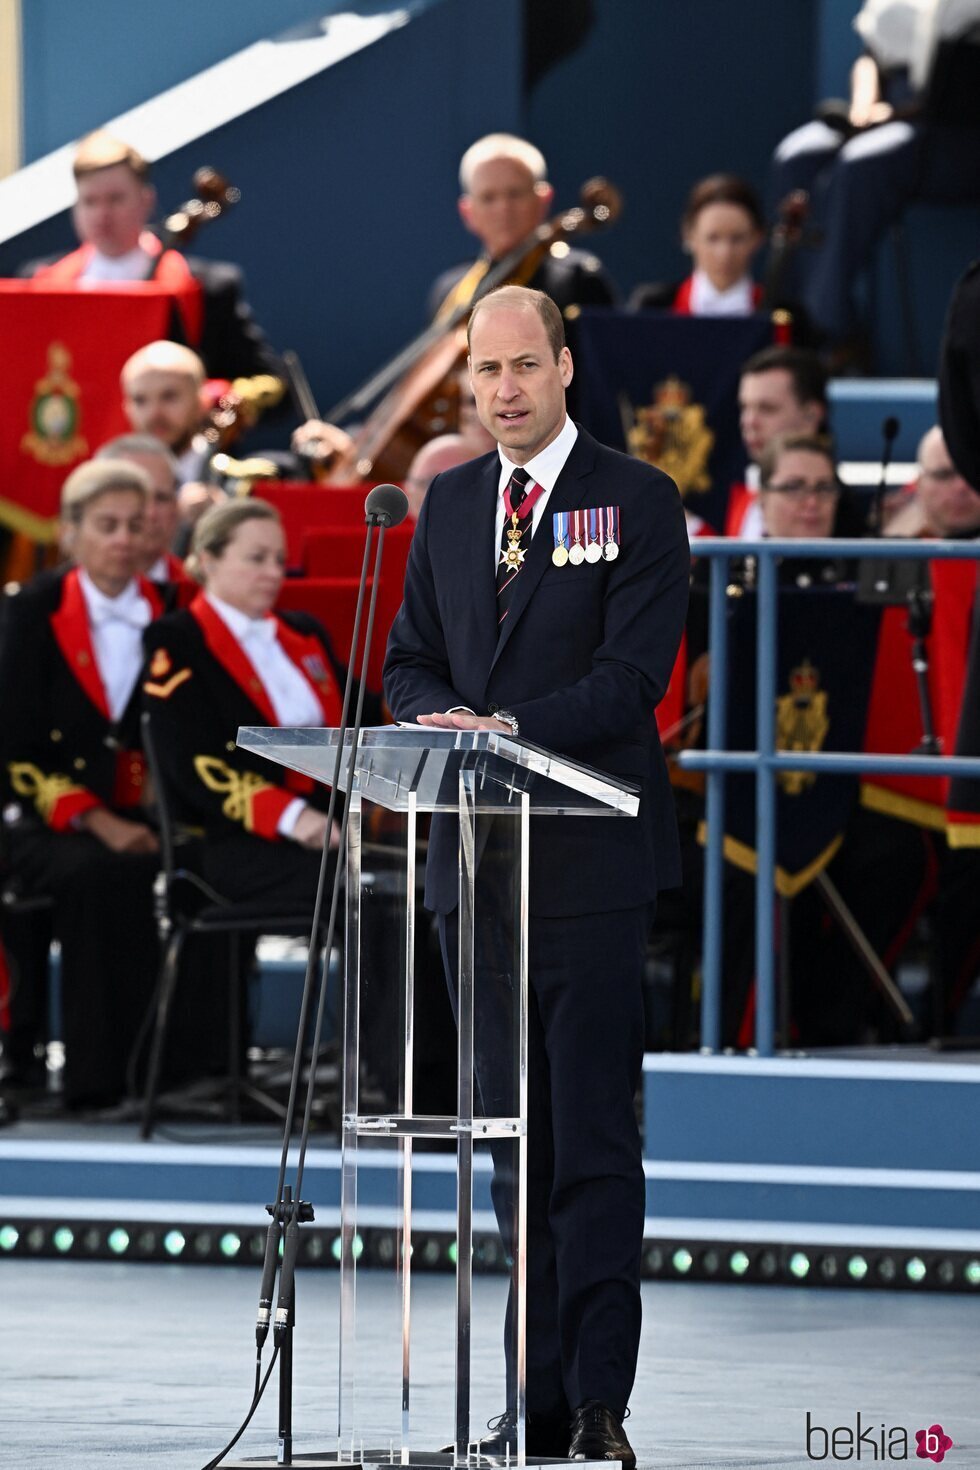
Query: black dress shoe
x,y
598,1435
543,1438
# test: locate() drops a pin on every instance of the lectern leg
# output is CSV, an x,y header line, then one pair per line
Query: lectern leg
x,y
464,1111
520,1202
348,1140
408,1108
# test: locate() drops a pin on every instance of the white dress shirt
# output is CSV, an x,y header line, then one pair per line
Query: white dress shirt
x,y
116,625
707,300
544,470
111,270
289,692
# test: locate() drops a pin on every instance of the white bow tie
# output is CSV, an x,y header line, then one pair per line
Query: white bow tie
x,y
132,611
261,630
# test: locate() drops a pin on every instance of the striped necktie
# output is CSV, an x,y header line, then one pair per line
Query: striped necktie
x,y
512,547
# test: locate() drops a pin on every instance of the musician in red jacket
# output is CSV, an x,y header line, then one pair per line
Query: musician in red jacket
x,y
228,661
74,822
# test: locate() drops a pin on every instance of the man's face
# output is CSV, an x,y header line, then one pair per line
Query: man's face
x,y
108,540
768,405
111,209
518,385
950,505
163,404
160,520
801,498
504,204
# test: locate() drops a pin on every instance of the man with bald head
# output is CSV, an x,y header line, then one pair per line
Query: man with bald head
x,y
114,204
544,598
161,385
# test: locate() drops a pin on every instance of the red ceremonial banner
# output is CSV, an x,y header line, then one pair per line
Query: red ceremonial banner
x,y
63,351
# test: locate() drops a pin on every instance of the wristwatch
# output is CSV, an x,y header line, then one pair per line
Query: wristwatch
x,y
508,719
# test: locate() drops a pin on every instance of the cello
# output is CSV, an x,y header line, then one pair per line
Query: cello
x,y
411,398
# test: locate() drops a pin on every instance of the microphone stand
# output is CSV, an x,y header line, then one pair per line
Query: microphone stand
x,y
386,506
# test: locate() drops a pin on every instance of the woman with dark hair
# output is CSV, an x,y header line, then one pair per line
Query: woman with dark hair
x,y
722,228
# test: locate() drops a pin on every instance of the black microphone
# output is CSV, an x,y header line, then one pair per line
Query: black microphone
x,y
386,506
889,433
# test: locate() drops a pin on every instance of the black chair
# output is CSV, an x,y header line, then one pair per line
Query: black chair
x,y
187,906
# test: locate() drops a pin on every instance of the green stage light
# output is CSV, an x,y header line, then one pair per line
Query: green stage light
x,y
452,1254
887,1269
738,1263
654,1259
34,1239
337,1247
146,1242
971,1271
92,1240
63,1239
857,1268
386,1249
315,1248
829,1268
799,1265
118,1241
946,1272
229,1245
430,1252
9,1236
768,1263
682,1261
915,1270
256,1246
174,1243
202,1244
710,1262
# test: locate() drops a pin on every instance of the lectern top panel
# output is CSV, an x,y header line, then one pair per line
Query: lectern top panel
x,y
395,762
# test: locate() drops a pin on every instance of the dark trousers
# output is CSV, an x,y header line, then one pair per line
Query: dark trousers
x,y
860,186
103,918
586,1194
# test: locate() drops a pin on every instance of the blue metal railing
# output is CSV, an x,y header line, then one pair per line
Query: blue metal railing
x,y
766,762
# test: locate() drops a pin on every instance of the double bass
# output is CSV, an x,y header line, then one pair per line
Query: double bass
x,y
412,395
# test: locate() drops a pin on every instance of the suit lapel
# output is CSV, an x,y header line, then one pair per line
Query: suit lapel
x,y
568,494
74,637
476,562
231,656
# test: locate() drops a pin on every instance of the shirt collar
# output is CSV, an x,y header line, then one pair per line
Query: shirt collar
x,y
239,622
707,300
548,463
132,266
129,598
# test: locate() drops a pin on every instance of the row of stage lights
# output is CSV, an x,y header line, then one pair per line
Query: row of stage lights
x,y
662,1260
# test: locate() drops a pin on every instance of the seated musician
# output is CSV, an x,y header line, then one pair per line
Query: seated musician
x,y
161,520
114,204
505,196
448,450
72,771
228,661
722,229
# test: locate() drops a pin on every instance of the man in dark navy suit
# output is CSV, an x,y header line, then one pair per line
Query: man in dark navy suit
x,y
567,642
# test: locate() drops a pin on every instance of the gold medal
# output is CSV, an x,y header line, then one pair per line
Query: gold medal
x,y
560,556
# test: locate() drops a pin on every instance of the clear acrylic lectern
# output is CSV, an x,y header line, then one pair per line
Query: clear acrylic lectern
x,y
483,789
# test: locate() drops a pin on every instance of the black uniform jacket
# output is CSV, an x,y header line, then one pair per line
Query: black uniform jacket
x,y
575,279
199,686
582,659
60,749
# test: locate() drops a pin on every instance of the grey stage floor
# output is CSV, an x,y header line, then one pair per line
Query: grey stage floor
x,y
150,1366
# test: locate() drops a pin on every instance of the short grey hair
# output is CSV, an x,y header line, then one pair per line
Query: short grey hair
x,y
143,444
94,478
501,145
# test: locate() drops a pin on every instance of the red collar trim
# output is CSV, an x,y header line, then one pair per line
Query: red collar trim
x,y
306,651
226,648
74,637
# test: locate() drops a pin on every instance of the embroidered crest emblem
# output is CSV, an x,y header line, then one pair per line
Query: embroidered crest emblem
x,y
55,413
671,434
802,723
315,667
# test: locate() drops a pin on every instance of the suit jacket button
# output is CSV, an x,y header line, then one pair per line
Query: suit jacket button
x,y
230,745
55,735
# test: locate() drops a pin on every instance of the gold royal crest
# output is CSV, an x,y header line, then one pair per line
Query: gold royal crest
x,y
801,723
671,434
54,414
